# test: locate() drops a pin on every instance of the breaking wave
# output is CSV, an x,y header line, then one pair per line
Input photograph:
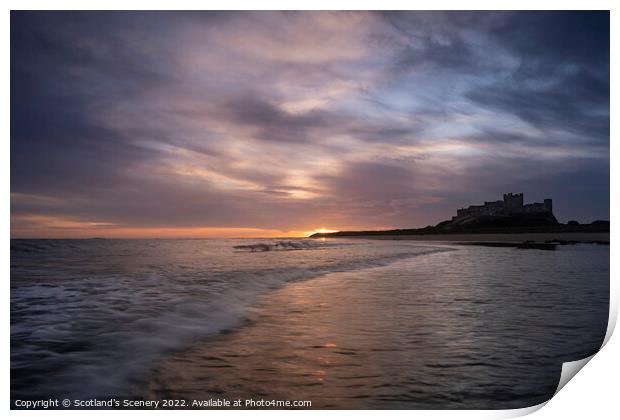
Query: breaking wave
x,y
95,336
281,246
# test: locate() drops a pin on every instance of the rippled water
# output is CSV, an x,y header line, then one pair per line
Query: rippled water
x,y
345,323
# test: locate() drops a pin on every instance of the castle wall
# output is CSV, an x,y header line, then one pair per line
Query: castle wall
x,y
538,207
512,204
534,208
493,208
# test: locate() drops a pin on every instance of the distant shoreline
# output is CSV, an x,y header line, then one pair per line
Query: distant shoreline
x,y
493,237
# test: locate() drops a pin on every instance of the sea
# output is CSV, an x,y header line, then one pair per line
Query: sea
x,y
341,323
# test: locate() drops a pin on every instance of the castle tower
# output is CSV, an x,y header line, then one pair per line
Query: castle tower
x,y
513,203
548,205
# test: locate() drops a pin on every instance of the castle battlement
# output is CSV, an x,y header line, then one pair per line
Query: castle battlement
x,y
511,205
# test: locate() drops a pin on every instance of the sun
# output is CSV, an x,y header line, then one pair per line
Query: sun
x,y
323,230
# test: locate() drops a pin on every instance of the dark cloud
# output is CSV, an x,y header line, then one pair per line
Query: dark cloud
x,y
562,80
451,54
557,107
273,120
274,124
65,69
433,40
556,37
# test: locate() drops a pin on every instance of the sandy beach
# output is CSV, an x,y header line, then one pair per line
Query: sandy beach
x,y
467,327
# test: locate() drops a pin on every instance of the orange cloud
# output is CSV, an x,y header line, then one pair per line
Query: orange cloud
x,y
37,226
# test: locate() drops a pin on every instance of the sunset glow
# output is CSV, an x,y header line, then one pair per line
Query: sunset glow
x,y
269,123
306,210
322,230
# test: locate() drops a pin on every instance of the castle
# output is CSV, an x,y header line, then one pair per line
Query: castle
x,y
511,205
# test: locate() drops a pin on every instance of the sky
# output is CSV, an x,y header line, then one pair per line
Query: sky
x,y
260,124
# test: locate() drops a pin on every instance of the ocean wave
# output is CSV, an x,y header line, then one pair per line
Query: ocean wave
x,y
281,246
101,334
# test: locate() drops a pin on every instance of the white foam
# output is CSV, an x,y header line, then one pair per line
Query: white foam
x,y
103,332
282,246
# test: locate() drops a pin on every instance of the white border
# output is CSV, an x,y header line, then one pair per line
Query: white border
x,y
592,394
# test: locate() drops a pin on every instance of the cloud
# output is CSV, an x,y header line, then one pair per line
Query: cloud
x,y
272,123
578,103
291,120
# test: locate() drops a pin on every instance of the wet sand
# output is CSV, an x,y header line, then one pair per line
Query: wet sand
x,y
471,327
